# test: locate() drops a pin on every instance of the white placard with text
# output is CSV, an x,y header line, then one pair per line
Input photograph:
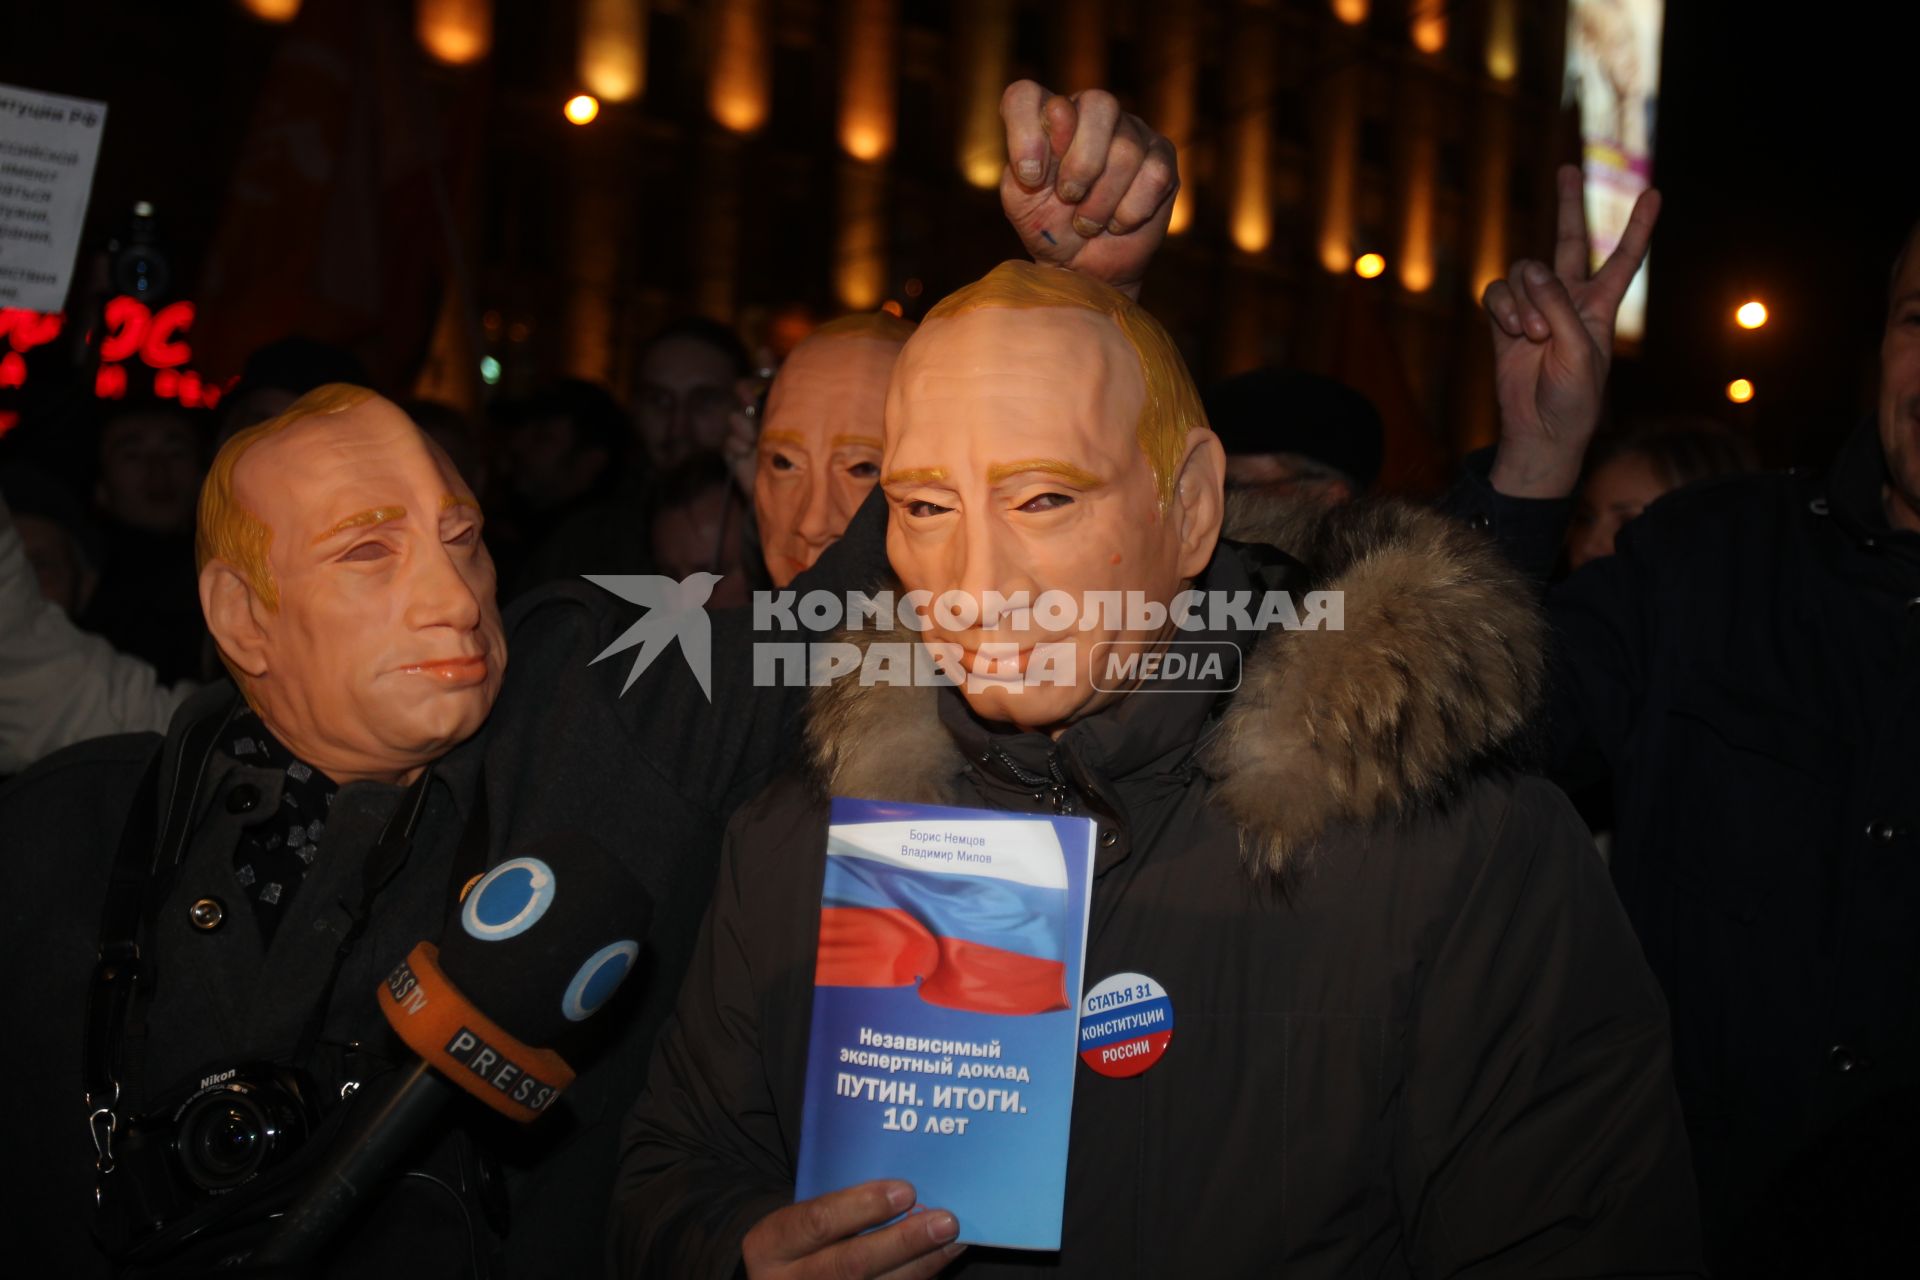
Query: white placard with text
x,y
48,147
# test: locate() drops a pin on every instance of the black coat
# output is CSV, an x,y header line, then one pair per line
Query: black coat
x,y
1414,1036
652,771
1747,668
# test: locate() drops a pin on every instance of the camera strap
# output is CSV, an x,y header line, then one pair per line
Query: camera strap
x,y
122,977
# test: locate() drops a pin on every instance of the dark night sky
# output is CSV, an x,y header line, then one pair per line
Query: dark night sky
x,y
1788,154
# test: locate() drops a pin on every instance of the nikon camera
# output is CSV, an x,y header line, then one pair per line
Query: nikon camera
x,y
176,1167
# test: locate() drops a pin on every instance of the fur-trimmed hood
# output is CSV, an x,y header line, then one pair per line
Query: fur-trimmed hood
x,y
1438,667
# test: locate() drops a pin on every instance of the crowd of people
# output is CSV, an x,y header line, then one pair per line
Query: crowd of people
x,y
1436,1019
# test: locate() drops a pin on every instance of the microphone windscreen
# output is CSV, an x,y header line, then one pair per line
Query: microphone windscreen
x,y
543,940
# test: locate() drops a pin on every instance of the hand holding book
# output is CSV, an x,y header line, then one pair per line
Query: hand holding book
x,y
822,1237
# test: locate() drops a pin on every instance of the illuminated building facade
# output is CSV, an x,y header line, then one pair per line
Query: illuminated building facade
x,y
798,154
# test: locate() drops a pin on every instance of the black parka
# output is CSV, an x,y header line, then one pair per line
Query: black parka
x,y
1412,1032
1746,669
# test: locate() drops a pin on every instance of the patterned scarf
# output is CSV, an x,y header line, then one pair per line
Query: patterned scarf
x,y
273,856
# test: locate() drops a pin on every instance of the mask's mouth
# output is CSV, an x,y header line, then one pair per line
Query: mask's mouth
x,y
454,673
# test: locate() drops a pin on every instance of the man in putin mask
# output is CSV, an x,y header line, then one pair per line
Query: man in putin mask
x,y
343,576
819,456
1415,1034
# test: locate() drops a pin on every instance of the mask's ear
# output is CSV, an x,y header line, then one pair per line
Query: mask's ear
x,y
1199,500
234,615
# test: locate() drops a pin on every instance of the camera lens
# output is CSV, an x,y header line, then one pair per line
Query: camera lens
x,y
229,1135
228,1140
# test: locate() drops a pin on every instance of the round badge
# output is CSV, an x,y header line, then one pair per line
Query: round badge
x,y
595,981
1125,1024
509,900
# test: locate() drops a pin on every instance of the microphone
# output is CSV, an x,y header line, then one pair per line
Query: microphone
x,y
536,946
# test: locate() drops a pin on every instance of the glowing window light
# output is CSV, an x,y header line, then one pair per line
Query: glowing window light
x,y
1341,144
1249,133
613,48
1503,40
867,78
581,108
1491,173
1751,315
1740,390
1173,89
1429,25
1251,220
737,92
986,41
455,32
1414,265
1182,211
1351,12
489,371
860,241
272,10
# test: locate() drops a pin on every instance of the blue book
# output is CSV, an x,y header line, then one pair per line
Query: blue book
x,y
945,1006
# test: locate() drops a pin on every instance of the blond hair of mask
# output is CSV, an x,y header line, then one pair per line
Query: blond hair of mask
x,y
227,531
1172,406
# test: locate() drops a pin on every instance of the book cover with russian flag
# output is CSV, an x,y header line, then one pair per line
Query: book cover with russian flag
x,y
945,1008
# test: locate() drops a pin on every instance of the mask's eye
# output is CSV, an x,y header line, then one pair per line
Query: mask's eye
x,y
1045,502
864,471
923,508
368,551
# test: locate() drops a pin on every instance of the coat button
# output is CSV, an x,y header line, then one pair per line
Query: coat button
x,y
243,798
1881,832
1109,838
207,914
1841,1059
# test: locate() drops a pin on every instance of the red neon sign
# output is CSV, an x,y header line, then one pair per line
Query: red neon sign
x,y
25,330
132,333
